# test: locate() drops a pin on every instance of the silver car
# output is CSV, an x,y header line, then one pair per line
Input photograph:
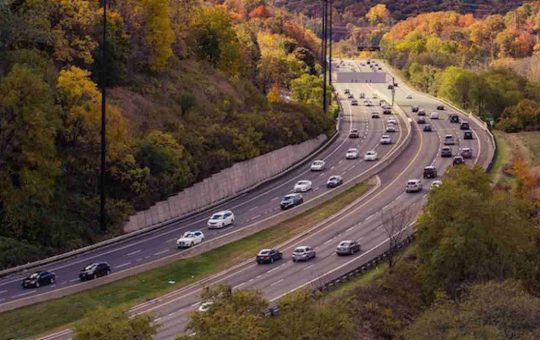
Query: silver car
x,y
303,253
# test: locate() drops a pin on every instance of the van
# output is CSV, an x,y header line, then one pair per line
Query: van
x,y
449,140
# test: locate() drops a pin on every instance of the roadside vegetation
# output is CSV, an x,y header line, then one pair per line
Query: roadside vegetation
x,y
120,295
472,272
193,88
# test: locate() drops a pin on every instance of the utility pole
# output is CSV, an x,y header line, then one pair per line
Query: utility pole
x,y
102,210
393,90
330,36
324,48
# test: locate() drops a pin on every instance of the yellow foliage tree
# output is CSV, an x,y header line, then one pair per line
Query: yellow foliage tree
x,y
274,95
378,14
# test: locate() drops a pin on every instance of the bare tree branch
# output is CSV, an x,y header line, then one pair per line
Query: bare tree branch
x,y
395,224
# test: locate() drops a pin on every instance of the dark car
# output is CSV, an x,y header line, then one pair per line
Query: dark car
x,y
334,181
454,118
268,256
446,152
415,109
390,87
440,107
347,91
347,248
395,84
465,125
466,153
94,270
458,160
427,128
387,111
468,135
291,200
375,114
38,279
430,172
421,112
354,133
421,120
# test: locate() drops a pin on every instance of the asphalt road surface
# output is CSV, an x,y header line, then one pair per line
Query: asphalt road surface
x,y
248,208
361,221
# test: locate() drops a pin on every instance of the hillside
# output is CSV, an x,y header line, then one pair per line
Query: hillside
x,y
193,88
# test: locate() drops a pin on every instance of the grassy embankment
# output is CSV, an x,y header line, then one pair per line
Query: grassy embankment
x,y
51,315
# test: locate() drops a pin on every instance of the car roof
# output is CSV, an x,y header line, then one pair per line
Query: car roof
x,y
429,167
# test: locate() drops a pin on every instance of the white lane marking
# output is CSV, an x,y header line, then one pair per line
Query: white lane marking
x,y
3,291
195,304
311,265
274,269
275,198
162,252
73,280
133,252
254,208
351,228
239,285
23,294
256,216
277,282
123,265
171,240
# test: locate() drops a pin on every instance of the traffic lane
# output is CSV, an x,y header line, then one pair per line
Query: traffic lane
x,y
252,274
125,257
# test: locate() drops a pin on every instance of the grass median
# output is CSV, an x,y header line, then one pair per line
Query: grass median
x,y
48,316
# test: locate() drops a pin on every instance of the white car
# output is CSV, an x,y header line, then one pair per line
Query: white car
x,y
318,165
371,155
221,219
449,140
436,184
391,128
205,306
386,139
190,239
352,153
434,115
409,96
391,121
302,186
413,185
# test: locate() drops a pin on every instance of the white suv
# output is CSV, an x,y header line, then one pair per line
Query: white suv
x,y
221,219
302,186
190,239
352,153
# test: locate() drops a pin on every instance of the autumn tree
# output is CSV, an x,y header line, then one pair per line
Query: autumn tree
x,y
307,89
378,14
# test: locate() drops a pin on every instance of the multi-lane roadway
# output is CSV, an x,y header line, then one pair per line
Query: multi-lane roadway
x,y
361,221
257,205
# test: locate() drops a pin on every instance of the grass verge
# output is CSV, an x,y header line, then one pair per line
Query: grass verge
x,y
502,157
44,317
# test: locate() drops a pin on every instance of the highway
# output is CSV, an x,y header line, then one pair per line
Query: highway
x,y
257,205
361,221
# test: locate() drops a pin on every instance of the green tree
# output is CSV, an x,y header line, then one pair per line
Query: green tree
x,y
488,311
233,315
469,233
112,324
28,164
307,89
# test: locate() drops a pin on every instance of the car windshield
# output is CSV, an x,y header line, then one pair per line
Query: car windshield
x,y
34,276
90,266
217,217
188,235
344,244
288,197
299,250
264,252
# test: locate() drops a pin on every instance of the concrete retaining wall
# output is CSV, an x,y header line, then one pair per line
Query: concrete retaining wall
x,y
224,184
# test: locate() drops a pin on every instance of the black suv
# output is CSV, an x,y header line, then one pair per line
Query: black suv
x,y
427,128
415,109
94,270
37,279
440,107
454,118
430,172
464,125
468,135
291,200
387,111
268,256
